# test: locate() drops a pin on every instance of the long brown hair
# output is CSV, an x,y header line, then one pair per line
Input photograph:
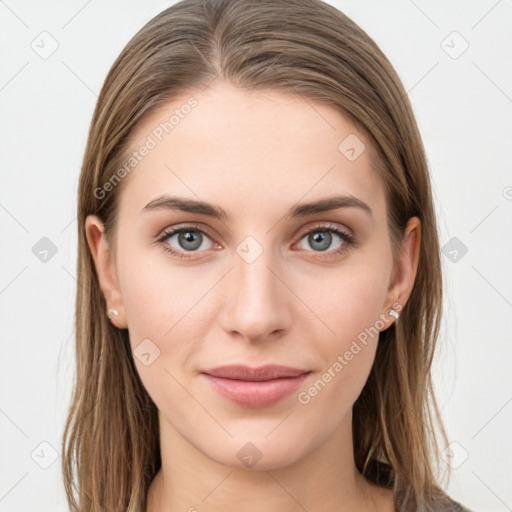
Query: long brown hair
x,y
111,441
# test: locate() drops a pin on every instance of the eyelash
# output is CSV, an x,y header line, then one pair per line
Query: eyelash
x,y
348,239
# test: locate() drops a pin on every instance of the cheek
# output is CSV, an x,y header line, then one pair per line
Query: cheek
x,y
347,302
156,294
162,321
169,311
348,357
350,304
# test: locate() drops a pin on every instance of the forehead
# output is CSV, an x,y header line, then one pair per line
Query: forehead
x,y
239,147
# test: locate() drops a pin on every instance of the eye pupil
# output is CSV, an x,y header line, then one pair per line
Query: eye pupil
x,y
324,238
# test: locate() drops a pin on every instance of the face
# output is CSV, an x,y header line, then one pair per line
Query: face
x,y
264,281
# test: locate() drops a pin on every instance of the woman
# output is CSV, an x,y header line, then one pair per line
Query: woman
x,y
260,277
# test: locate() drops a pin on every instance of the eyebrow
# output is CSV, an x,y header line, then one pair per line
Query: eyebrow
x,y
167,202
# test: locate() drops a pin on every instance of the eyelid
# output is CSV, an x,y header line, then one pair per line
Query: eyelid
x,y
172,230
327,226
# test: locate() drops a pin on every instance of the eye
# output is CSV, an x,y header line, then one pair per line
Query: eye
x,y
329,238
183,240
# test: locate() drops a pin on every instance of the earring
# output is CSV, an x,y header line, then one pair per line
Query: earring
x,y
111,313
394,314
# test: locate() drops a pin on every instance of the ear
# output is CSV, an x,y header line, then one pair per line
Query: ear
x,y
406,267
104,261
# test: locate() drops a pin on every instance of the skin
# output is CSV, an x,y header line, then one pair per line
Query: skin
x,y
256,155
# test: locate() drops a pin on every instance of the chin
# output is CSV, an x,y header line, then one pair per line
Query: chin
x,y
259,451
250,457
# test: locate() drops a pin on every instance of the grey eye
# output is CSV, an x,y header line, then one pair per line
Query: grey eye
x,y
321,240
190,240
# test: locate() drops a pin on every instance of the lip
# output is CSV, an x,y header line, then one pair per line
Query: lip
x,y
256,387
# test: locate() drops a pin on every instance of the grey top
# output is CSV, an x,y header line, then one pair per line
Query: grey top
x,y
380,473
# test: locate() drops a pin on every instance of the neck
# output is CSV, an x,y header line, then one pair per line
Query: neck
x,y
326,479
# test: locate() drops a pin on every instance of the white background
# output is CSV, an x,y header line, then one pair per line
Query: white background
x,y
464,109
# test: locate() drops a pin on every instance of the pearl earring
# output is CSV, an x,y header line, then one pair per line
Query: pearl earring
x,y
111,313
394,314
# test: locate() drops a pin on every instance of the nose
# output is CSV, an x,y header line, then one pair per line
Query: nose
x,y
256,302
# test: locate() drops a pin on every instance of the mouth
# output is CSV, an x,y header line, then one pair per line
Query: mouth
x,y
256,387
